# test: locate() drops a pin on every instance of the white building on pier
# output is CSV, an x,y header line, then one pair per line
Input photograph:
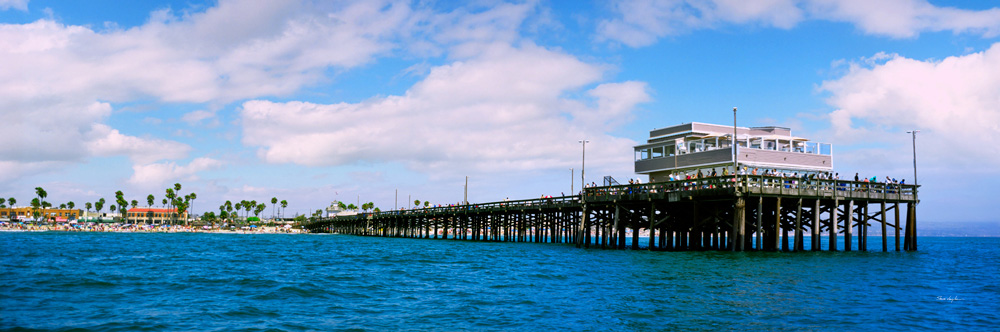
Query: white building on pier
x,y
692,147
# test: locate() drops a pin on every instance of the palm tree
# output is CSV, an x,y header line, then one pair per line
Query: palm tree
x,y
416,203
62,206
274,205
88,205
122,204
11,201
257,210
36,205
284,204
229,209
112,208
149,204
98,206
192,197
170,197
41,197
427,204
163,203
238,207
352,207
71,205
135,203
248,206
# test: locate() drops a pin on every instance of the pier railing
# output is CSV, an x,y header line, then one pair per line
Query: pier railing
x,y
756,184
674,190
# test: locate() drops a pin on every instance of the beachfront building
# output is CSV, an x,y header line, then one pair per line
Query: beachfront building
x,y
155,215
690,148
27,213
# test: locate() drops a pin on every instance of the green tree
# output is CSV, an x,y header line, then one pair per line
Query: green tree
x,y
62,206
71,205
99,205
171,198
10,202
352,207
192,197
284,204
41,199
149,204
238,207
274,206
36,207
181,208
416,203
122,205
89,206
427,204
257,210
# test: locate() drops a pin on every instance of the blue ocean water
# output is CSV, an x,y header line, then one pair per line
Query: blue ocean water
x,y
134,282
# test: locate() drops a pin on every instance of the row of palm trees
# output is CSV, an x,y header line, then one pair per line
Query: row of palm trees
x,y
231,212
177,203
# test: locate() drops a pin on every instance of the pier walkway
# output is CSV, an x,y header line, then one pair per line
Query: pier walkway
x,y
716,213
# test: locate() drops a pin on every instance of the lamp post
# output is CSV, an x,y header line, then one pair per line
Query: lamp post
x,y
583,166
571,176
736,152
914,133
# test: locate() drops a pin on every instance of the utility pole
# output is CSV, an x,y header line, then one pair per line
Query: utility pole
x,y
466,190
583,168
914,132
736,152
572,190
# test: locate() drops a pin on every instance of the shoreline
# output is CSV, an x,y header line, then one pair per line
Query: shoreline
x,y
148,229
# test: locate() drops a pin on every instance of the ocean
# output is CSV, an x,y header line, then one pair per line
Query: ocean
x,y
57,281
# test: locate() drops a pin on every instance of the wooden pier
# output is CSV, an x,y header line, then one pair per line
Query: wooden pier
x,y
716,213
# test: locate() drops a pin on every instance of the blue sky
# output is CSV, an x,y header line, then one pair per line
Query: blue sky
x,y
316,101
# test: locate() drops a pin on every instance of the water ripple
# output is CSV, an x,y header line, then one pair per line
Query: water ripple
x,y
222,282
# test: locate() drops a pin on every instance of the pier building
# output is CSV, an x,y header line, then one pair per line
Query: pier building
x,y
688,148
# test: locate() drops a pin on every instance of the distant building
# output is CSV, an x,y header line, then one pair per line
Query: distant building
x,y
334,210
692,147
27,213
155,215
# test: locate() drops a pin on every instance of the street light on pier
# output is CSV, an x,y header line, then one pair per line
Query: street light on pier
x,y
914,133
571,176
736,152
583,166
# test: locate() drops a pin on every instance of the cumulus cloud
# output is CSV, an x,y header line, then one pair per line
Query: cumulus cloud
x,y
156,175
641,23
505,110
21,5
953,101
59,81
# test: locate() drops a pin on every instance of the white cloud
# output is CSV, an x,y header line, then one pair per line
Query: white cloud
x,y
156,175
196,117
58,80
21,5
105,141
641,23
505,110
953,101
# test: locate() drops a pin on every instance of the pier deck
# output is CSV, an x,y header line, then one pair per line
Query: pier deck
x,y
717,213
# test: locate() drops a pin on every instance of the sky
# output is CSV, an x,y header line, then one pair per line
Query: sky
x,y
390,102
